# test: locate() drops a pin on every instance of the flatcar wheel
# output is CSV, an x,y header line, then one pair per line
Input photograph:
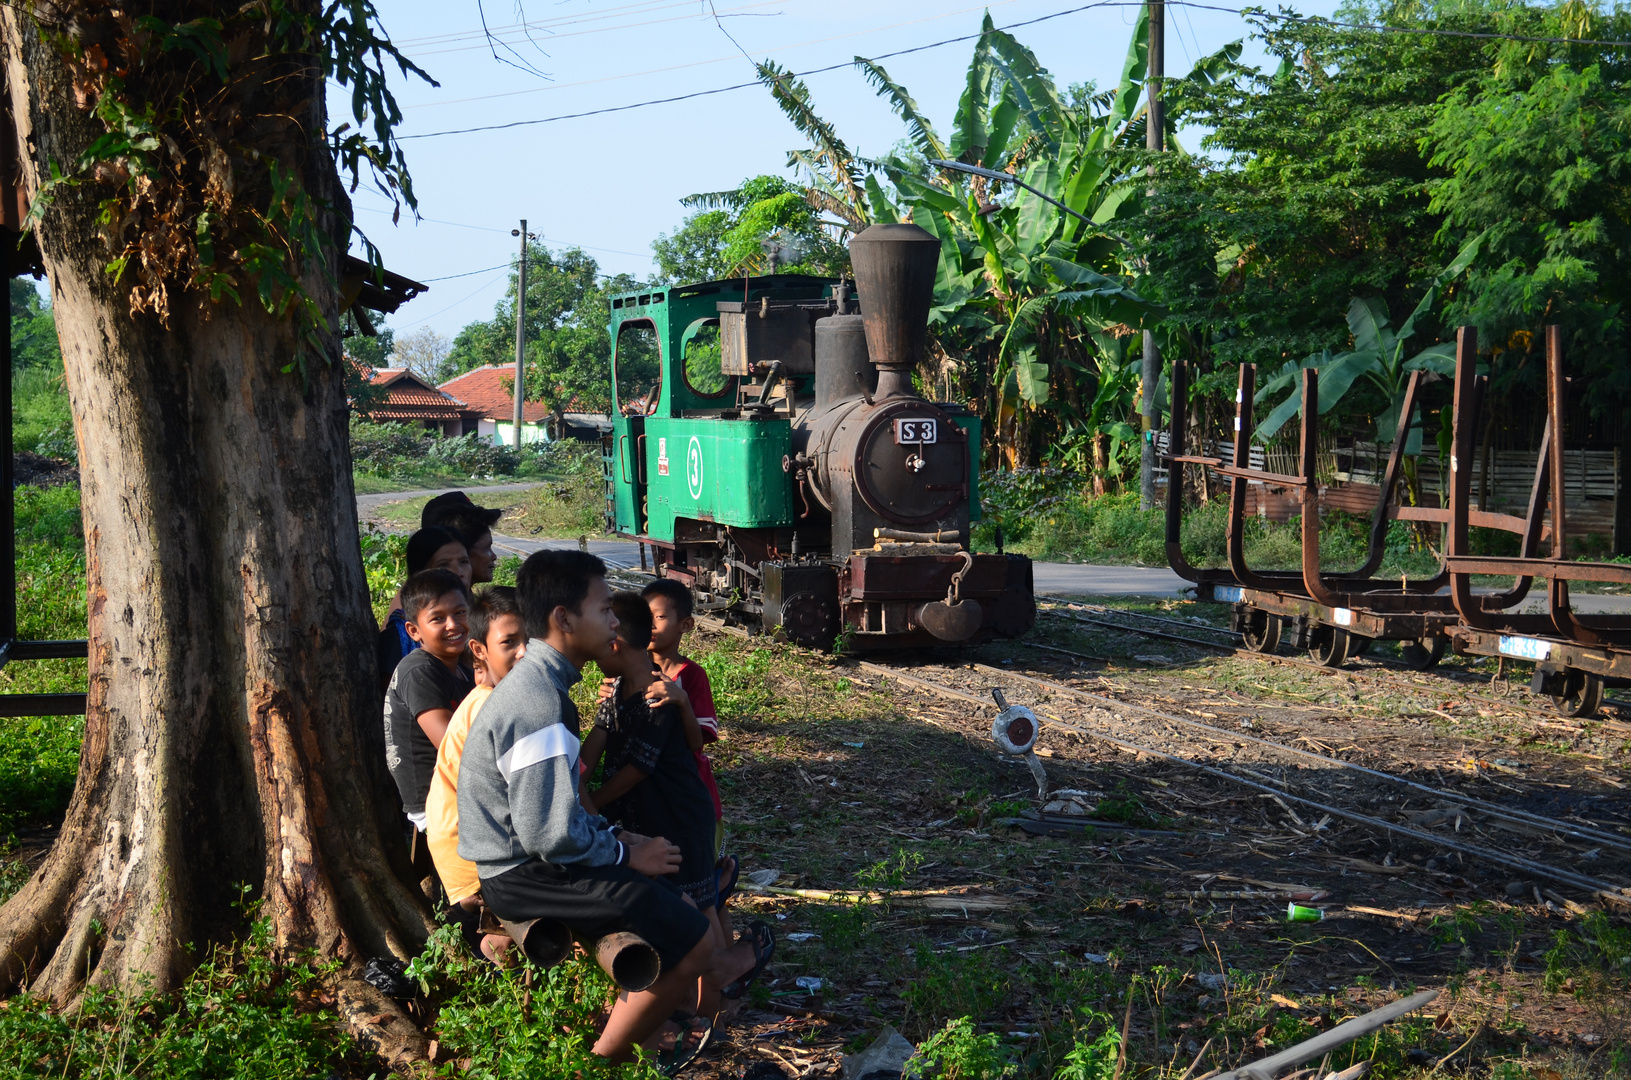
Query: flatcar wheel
x,y
1583,697
1357,645
1328,645
1425,654
1262,632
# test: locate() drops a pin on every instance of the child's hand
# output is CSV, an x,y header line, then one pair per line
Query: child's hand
x,y
667,692
607,687
655,857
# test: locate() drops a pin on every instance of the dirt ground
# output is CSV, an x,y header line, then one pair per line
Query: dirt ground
x,y
839,777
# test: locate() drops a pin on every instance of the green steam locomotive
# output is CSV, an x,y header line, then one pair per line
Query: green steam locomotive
x,y
769,450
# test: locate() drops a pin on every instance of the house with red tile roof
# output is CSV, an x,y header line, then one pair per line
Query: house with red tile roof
x,y
411,400
489,392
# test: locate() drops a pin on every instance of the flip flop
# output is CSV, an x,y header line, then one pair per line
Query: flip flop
x,y
764,947
694,1036
727,887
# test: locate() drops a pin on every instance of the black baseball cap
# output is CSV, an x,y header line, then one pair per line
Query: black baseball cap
x,y
450,501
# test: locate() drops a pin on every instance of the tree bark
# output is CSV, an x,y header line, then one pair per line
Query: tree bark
x,y
232,735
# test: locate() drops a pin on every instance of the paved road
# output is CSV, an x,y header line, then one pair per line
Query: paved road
x,y
366,503
1051,579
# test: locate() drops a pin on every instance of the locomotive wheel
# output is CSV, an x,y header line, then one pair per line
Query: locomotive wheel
x,y
1583,696
1425,654
1328,645
1262,632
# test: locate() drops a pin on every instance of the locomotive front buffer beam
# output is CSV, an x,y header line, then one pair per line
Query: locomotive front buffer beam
x,y
876,600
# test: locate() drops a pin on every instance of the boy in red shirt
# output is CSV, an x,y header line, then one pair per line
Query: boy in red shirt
x,y
685,685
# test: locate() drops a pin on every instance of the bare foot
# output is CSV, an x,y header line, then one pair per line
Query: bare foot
x,y
499,948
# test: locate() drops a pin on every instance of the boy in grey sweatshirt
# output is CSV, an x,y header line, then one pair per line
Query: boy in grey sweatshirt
x,y
538,852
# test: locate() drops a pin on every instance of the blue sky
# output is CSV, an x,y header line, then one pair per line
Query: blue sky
x,y
611,183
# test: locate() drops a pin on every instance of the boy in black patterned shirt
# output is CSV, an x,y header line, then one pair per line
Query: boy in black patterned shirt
x,y
651,786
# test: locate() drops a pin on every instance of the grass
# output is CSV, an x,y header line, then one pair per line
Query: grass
x,y
39,755
1057,524
242,1014
569,502
41,420
822,771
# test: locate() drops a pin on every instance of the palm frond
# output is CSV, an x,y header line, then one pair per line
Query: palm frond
x,y
922,132
714,200
793,98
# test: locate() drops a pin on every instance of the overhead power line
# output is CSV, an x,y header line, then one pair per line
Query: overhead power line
x,y
1242,12
521,35
705,63
747,85
467,273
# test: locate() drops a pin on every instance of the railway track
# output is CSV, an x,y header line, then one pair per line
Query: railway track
x,y
1370,664
1565,838
1559,833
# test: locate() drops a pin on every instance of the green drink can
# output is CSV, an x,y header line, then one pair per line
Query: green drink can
x,y
1295,912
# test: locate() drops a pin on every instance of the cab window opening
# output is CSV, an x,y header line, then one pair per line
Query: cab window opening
x,y
637,368
701,355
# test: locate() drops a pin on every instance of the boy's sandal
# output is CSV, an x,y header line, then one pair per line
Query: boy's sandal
x,y
727,885
693,1038
764,947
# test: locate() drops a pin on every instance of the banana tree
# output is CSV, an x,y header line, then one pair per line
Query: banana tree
x,y
1024,284
1378,357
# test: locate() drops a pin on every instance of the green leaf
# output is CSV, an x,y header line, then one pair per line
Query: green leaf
x,y
1463,259
1004,119
1040,99
1133,69
917,125
971,124
1038,218
882,208
1032,377
1367,321
1341,372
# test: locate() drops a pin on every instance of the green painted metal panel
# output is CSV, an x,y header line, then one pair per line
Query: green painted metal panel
x,y
625,476
971,424
729,471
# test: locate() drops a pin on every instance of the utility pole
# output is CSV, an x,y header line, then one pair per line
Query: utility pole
x,y
1155,129
520,331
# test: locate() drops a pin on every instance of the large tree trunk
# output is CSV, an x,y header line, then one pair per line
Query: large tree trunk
x,y
232,727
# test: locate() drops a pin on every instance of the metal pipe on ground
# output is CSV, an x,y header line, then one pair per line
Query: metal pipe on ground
x,y
546,942
630,961
1324,1043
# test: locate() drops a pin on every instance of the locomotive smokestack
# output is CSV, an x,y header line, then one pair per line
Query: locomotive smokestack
x,y
895,268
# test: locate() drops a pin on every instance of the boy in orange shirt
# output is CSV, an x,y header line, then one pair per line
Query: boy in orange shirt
x,y
498,638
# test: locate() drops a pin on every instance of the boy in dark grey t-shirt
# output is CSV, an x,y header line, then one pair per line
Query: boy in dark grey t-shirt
x,y
427,685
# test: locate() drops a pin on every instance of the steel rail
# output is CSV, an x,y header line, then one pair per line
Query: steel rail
x,y
1513,817
1604,889
1495,810
1380,663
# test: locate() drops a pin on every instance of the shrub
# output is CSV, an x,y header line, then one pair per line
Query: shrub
x,y
384,448
472,455
958,1052
241,1014
385,561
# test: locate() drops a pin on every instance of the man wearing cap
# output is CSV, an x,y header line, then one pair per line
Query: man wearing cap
x,y
454,510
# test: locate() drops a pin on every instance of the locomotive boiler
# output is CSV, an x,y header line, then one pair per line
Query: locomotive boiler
x,y
799,482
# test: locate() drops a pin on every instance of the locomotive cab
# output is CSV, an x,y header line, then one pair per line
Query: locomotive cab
x,y
769,449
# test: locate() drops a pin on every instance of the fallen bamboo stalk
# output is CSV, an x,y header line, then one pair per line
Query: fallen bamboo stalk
x,y
937,899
